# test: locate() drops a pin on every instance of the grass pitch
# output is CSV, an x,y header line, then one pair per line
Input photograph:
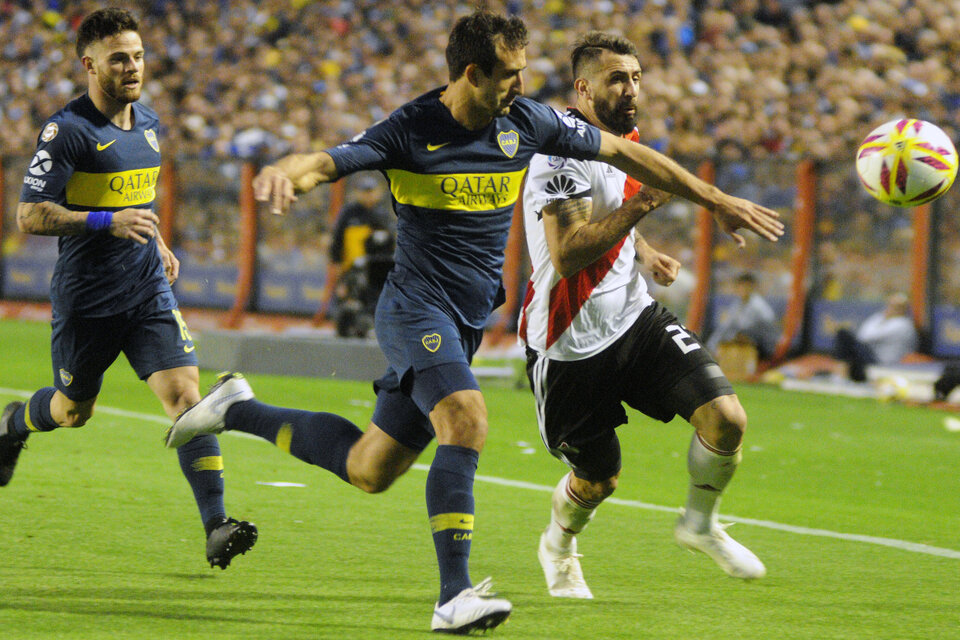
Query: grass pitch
x,y
101,539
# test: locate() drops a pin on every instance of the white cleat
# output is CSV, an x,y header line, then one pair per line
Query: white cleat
x,y
473,609
207,416
562,571
734,558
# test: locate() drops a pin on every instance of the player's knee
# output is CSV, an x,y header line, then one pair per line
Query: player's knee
x,y
722,422
373,482
76,418
594,491
461,419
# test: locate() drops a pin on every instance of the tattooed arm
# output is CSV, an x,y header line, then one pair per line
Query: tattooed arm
x,y
50,219
575,242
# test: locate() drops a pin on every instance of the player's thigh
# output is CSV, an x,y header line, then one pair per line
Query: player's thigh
x,y
578,410
159,339
81,350
666,368
428,351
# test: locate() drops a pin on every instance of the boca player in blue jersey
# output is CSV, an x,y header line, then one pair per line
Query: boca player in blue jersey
x,y
455,160
92,183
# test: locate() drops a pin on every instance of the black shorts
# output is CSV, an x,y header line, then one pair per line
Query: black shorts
x,y
658,367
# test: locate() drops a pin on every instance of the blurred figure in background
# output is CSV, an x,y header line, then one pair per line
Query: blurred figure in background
x,y
362,216
884,338
751,320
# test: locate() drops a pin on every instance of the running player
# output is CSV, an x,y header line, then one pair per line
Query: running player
x,y
92,182
454,158
596,339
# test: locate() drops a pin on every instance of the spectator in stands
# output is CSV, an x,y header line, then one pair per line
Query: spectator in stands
x,y
750,320
884,338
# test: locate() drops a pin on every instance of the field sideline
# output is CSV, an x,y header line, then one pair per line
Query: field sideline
x,y
852,505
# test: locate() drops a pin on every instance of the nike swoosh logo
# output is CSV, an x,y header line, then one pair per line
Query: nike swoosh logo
x,y
190,348
101,147
447,619
434,147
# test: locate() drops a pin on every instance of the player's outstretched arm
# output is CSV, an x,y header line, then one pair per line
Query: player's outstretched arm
x,y
574,242
51,219
657,170
279,183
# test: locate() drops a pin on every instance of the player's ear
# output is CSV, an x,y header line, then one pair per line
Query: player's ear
x,y
88,64
581,85
474,74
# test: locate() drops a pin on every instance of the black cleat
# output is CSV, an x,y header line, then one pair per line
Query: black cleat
x,y
229,539
10,443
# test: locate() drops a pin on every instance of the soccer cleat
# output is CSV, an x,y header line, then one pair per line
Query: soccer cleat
x,y
208,415
733,557
10,443
562,571
473,609
229,539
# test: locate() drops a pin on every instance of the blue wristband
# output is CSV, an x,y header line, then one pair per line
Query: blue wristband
x,y
98,221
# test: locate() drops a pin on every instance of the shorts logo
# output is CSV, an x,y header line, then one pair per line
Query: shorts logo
x,y
41,163
152,139
66,377
509,141
431,342
49,132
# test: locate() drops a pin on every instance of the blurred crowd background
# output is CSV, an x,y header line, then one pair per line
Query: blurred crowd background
x,y
756,85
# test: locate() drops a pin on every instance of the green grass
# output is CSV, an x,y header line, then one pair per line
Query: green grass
x,y
100,537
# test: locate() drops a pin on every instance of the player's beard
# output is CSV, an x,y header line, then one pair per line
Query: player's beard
x,y
115,89
615,118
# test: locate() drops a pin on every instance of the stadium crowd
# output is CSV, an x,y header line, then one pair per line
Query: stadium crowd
x,y
744,81
780,77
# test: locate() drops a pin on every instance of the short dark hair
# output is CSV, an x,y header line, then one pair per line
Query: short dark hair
x,y
103,24
474,40
591,46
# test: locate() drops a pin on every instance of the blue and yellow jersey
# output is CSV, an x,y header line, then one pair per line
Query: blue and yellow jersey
x,y
84,162
454,189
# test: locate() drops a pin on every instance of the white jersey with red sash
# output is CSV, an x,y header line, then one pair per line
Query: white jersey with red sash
x,y
576,317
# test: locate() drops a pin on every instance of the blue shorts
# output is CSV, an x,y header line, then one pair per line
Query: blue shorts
x,y
429,355
152,335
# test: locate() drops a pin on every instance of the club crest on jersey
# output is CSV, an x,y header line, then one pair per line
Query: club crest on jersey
x,y
66,377
49,132
431,342
509,142
152,139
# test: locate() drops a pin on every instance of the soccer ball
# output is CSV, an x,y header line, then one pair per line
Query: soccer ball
x,y
906,162
893,389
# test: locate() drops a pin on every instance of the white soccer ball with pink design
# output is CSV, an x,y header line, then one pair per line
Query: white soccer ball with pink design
x,y
907,162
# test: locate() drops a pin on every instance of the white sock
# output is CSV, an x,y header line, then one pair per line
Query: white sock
x,y
710,472
570,515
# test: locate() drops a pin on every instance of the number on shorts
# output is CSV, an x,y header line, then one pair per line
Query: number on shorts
x,y
681,337
184,332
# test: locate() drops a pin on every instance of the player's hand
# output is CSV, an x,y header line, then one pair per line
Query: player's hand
x,y
171,266
662,267
734,213
274,186
134,224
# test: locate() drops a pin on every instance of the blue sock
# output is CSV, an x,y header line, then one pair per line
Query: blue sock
x,y
450,507
202,465
34,415
321,439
